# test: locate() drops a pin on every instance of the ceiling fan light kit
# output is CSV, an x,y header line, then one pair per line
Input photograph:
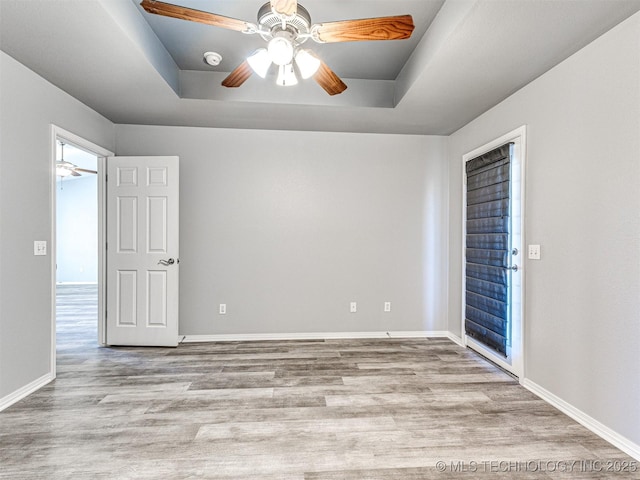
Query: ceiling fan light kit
x,y
63,170
285,25
260,62
286,76
280,48
307,63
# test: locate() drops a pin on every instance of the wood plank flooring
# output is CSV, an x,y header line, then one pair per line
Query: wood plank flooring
x,y
286,410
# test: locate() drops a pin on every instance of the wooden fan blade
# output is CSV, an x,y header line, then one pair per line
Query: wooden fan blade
x,y
328,80
286,8
184,13
383,28
238,76
84,170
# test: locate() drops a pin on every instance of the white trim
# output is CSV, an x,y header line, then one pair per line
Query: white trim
x,y
488,354
244,337
514,363
79,142
101,153
102,247
455,339
585,420
28,389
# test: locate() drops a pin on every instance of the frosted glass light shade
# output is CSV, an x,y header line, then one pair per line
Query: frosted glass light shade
x,y
62,171
260,61
286,76
308,63
280,51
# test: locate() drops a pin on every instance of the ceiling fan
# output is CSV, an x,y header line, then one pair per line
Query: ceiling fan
x,y
65,169
286,26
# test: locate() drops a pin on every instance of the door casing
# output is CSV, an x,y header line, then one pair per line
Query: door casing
x,y
101,154
514,363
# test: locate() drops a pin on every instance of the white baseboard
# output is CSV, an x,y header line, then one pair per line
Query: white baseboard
x,y
244,337
585,420
19,394
455,339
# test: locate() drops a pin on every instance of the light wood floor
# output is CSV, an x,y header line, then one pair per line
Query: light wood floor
x,y
285,410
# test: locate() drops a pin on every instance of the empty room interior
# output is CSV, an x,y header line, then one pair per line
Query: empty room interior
x,y
319,240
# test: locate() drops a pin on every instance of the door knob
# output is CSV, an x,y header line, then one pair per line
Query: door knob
x,y
166,263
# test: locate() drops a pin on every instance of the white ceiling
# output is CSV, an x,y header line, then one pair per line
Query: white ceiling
x,y
464,57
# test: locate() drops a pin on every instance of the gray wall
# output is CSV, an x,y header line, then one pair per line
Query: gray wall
x,y
28,105
287,228
77,229
582,324
287,240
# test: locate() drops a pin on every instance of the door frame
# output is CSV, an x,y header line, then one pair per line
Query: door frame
x,y
515,364
101,153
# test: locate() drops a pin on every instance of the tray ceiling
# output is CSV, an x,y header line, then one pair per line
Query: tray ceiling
x,y
464,57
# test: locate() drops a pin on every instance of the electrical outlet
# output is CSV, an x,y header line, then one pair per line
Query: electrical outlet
x,y
387,306
223,309
534,252
353,307
40,247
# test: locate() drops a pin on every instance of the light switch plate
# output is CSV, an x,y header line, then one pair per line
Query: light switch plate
x,y
40,247
222,310
353,307
387,306
534,252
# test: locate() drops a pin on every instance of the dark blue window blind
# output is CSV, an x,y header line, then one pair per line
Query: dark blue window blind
x,y
488,248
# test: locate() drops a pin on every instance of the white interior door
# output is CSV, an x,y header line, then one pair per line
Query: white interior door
x,y
142,251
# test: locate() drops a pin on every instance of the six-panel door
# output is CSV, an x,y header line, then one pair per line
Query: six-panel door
x,y
142,251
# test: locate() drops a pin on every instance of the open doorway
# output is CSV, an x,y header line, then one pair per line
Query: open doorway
x,y
78,245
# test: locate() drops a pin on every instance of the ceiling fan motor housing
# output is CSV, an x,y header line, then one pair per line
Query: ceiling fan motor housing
x,y
300,23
